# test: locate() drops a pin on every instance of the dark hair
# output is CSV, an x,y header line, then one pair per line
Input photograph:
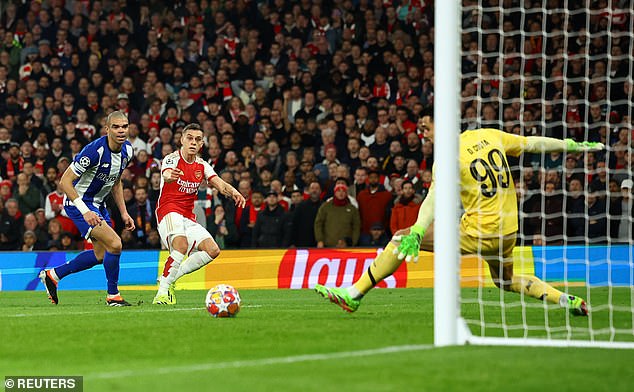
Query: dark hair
x,y
192,127
339,179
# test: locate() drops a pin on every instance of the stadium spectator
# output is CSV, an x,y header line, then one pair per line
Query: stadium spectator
x,y
626,213
248,218
11,226
337,223
30,243
222,227
6,190
374,203
360,181
377,238
575,211
66,242
272,226
54,233
41,237
550,222
142,210
303,224
596,217
27,195
405,208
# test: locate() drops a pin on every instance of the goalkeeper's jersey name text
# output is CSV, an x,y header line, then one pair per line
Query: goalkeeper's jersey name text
x,y
481,145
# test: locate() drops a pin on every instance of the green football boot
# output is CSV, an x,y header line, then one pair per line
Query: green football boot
x,y
577,306
164,299
339,297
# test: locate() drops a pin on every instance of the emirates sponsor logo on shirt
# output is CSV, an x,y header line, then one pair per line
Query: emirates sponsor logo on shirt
x,y
304,268
187,186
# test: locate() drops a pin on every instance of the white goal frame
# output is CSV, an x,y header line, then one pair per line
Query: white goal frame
x,y
449,327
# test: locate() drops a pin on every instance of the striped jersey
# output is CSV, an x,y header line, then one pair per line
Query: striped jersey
x,y
98,169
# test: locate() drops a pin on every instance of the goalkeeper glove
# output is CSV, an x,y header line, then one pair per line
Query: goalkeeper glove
x,y
572,146
410,244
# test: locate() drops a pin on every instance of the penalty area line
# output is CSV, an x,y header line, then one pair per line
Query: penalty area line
x,y
258,362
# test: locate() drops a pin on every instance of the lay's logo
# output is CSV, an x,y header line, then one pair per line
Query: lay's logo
x,y
304,268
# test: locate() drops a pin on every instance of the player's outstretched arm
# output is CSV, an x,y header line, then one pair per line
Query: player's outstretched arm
x,y
536,144
227,190
117,194
66,185
410,244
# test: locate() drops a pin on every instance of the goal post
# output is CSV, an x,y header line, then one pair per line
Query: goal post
x,y
553,64
447,126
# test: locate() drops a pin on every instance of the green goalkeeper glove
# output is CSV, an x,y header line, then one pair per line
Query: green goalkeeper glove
x,y
572,146
409,247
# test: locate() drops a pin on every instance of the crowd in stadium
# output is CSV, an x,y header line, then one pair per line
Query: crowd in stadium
x,y
317,111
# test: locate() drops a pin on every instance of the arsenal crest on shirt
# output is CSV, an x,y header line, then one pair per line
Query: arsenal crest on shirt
x,y
198,174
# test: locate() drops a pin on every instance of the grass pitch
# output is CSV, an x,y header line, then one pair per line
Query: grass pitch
x,y
289,340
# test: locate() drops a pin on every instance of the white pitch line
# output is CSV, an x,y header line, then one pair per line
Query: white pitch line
x,y
258,362
137,310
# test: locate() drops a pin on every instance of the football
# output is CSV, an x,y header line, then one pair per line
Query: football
x,y
223,301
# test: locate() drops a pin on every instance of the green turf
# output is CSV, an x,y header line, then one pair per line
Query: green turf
x,y
273,345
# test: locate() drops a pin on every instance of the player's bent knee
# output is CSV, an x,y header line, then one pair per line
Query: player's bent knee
x,y
213,252
115,246
180,244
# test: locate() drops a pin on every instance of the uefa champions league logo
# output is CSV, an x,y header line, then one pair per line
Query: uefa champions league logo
x,y
84,161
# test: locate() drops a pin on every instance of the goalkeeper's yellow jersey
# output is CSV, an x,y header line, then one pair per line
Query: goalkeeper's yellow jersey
x,y
487,189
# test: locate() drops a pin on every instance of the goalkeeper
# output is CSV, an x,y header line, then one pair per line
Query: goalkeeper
x,y
488,226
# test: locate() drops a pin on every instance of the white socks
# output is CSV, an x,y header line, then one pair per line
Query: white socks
x,y
193,263
354,292
563,300
171,269
178,268
53,274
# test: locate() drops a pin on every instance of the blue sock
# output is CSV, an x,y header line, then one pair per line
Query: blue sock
x,y
111,266
82,261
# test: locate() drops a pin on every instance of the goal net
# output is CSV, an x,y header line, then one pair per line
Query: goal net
x,y
562,69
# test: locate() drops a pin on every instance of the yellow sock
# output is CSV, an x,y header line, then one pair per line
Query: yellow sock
x,y
536,288
382,267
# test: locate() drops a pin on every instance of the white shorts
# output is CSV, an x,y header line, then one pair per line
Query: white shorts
x,y
174,224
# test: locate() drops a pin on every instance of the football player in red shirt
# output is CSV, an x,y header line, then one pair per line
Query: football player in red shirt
x,y
182,172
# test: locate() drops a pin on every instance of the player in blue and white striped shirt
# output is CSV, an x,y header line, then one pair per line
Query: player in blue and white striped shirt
x,y
94,173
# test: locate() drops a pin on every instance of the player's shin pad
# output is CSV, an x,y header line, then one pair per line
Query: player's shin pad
x,y
193,263
170,270
382,267
535,287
